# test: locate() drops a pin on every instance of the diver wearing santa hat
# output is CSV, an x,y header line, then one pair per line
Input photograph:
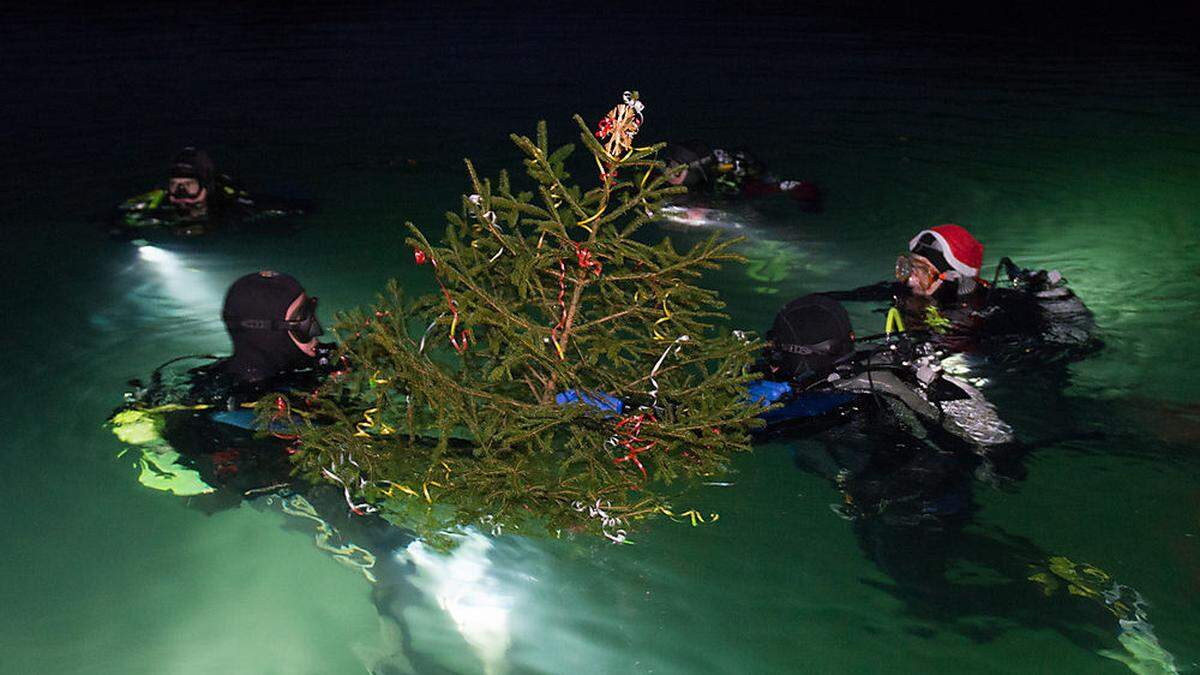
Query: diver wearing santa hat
x,y
938,289
946,255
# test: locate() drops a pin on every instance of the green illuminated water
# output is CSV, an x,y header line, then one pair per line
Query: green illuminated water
x,y
1086,163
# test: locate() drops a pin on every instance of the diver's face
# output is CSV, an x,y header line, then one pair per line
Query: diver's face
x,y
923,278
294,312
187,193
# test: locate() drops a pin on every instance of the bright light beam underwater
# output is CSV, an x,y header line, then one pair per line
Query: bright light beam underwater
x,y
704,217
465,586
184,283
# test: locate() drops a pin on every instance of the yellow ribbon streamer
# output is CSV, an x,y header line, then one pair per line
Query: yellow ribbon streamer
x,y
348,554
603,200
665,318
403,488
693,515
369,422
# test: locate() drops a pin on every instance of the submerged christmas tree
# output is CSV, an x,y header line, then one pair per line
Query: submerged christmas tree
x,y
564,374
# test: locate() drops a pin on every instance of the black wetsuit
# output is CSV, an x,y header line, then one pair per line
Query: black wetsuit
x,y
906,450
206,418
244,464
916,434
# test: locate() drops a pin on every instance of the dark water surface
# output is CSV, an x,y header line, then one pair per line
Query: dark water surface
x,y
1081,155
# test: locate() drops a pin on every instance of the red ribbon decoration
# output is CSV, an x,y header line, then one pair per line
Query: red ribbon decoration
x,y
586,260
604,127
282,411
465,334
629,438
461,341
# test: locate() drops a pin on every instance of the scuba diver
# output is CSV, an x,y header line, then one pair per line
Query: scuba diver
x,y
199,426
938,290
197,435
718,174
904,444
197,199
939,431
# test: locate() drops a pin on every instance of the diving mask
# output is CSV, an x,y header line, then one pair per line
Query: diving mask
x,y
905,265
184,189
909,263
304,328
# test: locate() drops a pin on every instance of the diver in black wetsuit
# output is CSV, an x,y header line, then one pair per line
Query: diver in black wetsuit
x,y
205,414
199,438
197,199
939,430
731,175
905,445
939,290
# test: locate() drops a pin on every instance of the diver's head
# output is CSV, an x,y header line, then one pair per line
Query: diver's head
x,y
940,254
686,164
810,336
191,181
272,323
745,163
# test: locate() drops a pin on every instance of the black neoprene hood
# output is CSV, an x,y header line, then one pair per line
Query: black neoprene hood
x,y
261,353
193,163
809,336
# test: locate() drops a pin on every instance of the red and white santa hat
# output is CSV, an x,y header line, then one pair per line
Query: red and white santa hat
x,y
954,245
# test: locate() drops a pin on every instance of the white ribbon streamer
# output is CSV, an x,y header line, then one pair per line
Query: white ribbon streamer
x,y
676,345
331,474
617,536
634,103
